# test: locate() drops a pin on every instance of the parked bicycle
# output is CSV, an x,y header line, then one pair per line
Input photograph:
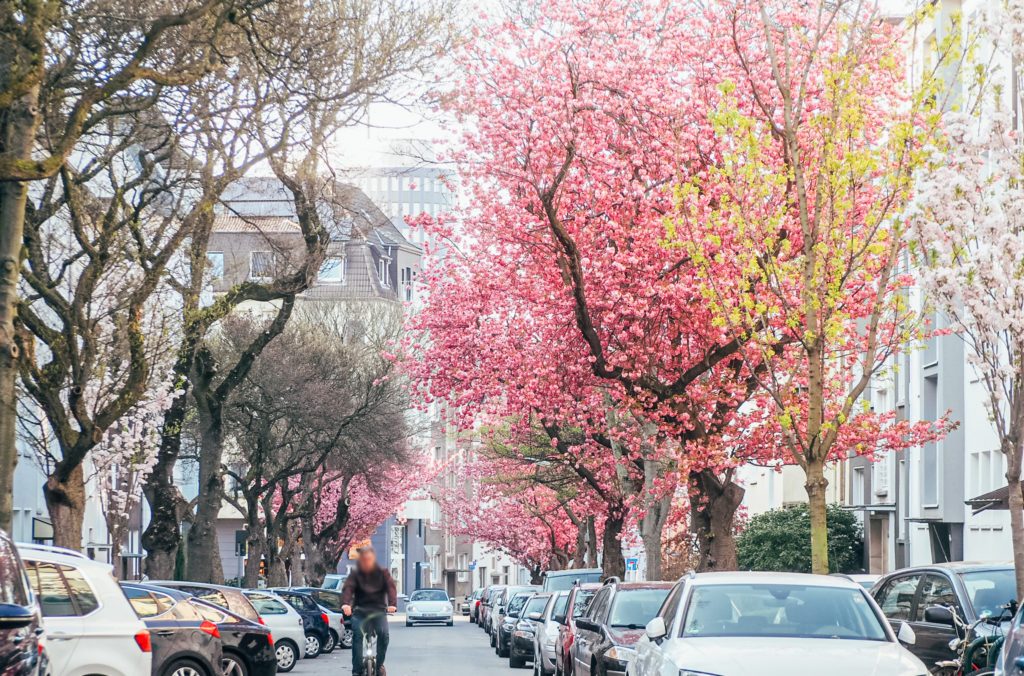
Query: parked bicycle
x,y
976,653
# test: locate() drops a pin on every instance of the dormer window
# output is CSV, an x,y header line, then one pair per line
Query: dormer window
x,y
261,265
332,270
382,271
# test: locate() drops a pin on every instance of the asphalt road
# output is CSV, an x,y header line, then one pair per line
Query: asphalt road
x,y
462,650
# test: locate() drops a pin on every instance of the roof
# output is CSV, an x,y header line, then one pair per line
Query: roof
x,y
571,571
997,499
173,593
257,224
174,584
626,586
763,577
961,566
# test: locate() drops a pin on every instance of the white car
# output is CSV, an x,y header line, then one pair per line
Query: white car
x,y
285,624
91,628
429,605
772,624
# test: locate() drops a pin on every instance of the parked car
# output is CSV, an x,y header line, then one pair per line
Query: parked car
x,y
487,601
563,580
429,606
90,626
21,622
925,597
286,625
229,598
248,646
314,620
545,645
1011,658
330,602
579,598
614,621
184,642
524,632
771,624
474,605
508,615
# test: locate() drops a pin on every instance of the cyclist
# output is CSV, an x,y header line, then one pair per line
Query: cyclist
x,y
368,593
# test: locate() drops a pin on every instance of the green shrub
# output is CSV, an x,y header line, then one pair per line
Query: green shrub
x,y
780,540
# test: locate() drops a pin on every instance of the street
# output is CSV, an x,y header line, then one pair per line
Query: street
x,y
461,650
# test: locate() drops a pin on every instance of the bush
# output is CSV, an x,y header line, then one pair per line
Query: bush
x,y
780,540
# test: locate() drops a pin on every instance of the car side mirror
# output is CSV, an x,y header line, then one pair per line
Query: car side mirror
x,y
1019,663
586,625
560,619
536,617
906,635
655,629
13,616
938,615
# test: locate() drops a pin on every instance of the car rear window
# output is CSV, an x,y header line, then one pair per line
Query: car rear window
x,y
62,590
328,600
265,605
12,576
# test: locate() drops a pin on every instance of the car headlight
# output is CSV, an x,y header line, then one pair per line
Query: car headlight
x,y
522,633
620,653
411,609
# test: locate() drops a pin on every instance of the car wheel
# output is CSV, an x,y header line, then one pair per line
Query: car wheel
x,y
313,645
346,638
451,623
233,665
492,641
515,662
287,654
331,643
184,668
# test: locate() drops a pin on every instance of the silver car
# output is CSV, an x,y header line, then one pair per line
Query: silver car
x,y
546,636
431,606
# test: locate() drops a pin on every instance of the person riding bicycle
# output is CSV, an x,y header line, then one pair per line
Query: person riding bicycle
x,y
368,593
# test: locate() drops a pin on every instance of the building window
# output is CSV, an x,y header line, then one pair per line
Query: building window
x,y
332,270
382,271
858,488
261,265
215,264
407,283
880,475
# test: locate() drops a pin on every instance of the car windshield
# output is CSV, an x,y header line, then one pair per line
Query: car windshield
x,y
429,595
561,603
536,605
790,610
516,604
989,590
579,604
634,608
566,582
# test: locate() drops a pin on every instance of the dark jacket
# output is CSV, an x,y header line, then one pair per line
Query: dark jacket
x,y
369,590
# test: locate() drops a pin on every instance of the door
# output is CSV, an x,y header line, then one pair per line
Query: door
x,y
933,639
896,598
63,604
587,641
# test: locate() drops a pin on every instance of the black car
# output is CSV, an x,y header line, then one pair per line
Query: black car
x,y
613,622
248,645
228,598
925,597
520,650
20,618
331,599
184,642
314,620
513,608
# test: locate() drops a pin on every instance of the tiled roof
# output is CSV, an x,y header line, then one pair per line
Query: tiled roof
x,y
259,224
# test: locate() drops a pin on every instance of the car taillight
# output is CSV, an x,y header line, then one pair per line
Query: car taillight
x,y
270,640
210,628
323,616
260,620
144,641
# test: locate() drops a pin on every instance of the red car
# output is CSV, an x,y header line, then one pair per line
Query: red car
x,y
579,597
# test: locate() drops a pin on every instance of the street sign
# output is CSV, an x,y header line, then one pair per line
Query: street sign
x,y
632,564
472,565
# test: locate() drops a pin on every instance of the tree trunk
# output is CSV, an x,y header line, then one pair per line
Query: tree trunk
x,y
817,506
204,564
652,526
579,556
253,557
18,136
613,563
591,542
713,505
162,537
1014,457
66,503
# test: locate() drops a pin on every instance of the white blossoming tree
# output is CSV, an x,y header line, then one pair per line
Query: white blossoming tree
x,y
968,224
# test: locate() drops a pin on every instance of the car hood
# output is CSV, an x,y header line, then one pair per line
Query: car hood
x,y
430,606
624,637
786,656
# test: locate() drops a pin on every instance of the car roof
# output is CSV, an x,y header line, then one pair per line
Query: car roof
x,y
174,584
572,571
626,586
173,593
959,567
33,552
762,577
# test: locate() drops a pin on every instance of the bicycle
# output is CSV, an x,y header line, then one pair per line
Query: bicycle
x,y
976,653
369,631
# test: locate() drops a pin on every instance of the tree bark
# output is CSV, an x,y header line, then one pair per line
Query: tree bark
x,y
817,507
1012,444
204,564
65,502
613,563
713,505
591,542
18,135
652,526
162,536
